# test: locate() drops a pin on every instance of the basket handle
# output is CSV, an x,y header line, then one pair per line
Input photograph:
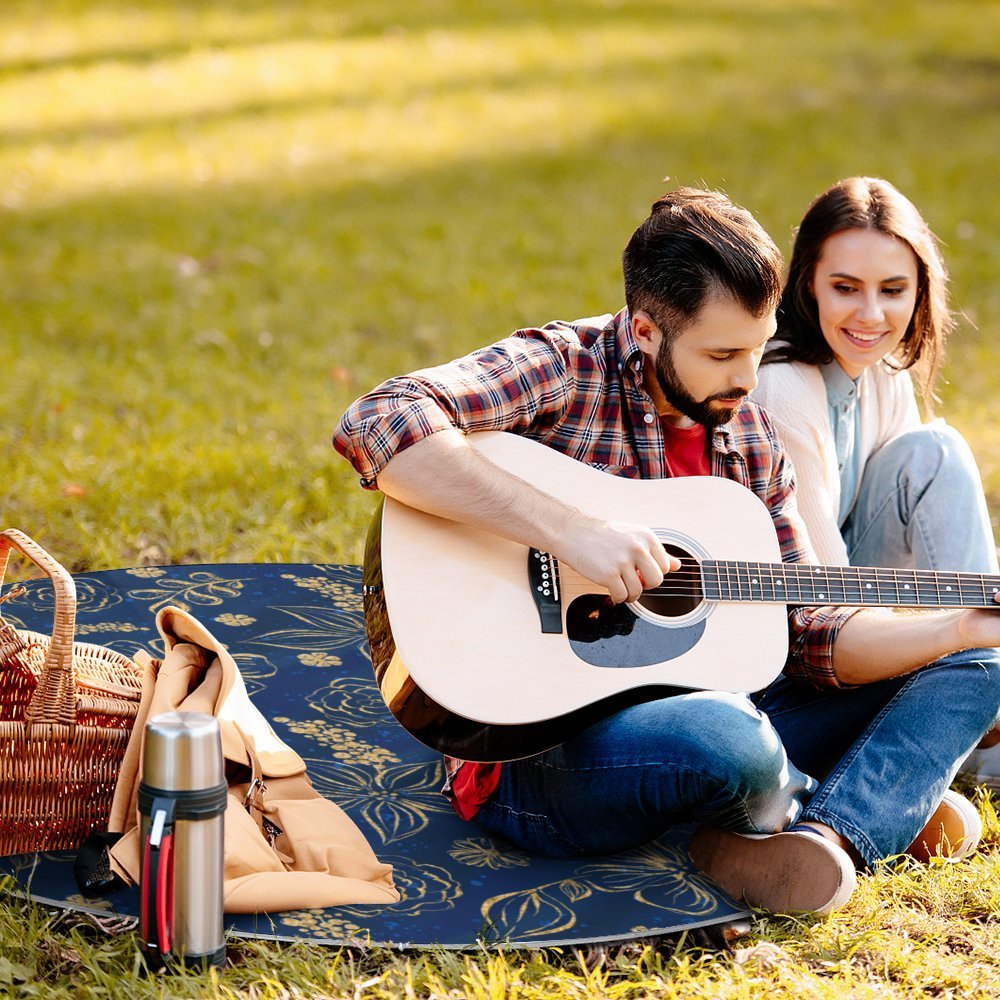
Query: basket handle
x,y
54,700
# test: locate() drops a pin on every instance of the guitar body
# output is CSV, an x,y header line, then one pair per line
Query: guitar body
x,y
457,633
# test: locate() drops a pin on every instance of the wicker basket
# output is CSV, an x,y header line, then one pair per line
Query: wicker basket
x,y
66,711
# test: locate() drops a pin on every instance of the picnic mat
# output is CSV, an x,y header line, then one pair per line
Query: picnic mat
x,y
297,634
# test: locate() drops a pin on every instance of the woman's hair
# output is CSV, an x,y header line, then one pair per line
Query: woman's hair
x,y
866,203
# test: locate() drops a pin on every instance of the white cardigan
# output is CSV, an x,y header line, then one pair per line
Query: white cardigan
x,y
794,395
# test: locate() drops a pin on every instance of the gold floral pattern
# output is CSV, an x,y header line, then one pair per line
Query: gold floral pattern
x,y
322,924
395,800
315,629
91,628
482,852
234,621
340,594
92,596
353,698
536,912
657,875
341,742
199,589
319,659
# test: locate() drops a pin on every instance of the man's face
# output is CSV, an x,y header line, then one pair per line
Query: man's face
x,y
703,374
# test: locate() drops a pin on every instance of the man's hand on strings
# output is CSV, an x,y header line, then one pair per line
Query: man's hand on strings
x,y
624,558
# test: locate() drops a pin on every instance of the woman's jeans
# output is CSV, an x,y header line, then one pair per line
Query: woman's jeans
x,y
920,505
884,754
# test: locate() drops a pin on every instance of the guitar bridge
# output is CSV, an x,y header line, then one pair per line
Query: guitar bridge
x,y
543,577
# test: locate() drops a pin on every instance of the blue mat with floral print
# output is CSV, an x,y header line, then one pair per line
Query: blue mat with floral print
x,y
297,633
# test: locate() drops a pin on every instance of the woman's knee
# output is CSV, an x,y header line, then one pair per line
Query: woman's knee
x,y
927,452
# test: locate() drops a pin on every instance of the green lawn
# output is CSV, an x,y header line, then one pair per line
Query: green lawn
x,y
221,221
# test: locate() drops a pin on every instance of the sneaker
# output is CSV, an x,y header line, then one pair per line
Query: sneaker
x,y
953,831
789,872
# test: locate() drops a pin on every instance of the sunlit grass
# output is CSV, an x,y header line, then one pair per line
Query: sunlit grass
x,y
219,222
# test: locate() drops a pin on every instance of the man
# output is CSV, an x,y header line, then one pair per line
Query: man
x,y
853,748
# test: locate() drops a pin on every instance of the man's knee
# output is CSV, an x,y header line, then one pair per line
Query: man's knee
x,y
741,739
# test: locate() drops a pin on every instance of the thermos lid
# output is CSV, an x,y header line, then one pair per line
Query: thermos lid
x,y
182,752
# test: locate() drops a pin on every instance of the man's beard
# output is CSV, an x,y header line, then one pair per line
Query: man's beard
x,y
680,399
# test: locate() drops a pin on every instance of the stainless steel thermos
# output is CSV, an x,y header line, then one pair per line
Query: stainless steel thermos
x,y
182,802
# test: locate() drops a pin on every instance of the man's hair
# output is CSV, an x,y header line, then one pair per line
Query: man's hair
x,y
874,204
693,245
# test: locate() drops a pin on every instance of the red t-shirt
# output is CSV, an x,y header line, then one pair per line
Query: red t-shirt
x,y
686,450
686,455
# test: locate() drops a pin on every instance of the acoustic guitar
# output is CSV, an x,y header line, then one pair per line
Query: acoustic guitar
x,y
489,650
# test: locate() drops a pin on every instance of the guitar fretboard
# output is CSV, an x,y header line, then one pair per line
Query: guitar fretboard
x,y
800,583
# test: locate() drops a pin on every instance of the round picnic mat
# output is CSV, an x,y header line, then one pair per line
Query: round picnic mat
x,y
297,634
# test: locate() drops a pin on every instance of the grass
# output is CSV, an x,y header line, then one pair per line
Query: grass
x,y
222,221
908,932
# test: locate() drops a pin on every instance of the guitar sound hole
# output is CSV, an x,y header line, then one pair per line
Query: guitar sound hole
x,y
680,593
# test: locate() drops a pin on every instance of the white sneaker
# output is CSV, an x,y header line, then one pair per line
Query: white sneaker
x,y
787,872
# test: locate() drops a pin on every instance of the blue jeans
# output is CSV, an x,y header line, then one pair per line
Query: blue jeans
x,y
921,506
705,756
884,753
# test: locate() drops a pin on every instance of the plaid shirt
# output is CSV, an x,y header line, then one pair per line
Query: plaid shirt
x,y
577,387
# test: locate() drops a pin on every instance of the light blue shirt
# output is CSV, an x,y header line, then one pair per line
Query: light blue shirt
x,y
842,402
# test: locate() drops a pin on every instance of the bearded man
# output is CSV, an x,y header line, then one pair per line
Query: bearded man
x,y
660,390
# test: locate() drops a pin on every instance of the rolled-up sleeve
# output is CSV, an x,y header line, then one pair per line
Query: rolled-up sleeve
x,y
515,384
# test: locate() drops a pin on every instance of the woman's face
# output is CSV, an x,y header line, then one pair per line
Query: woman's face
x,y
865,285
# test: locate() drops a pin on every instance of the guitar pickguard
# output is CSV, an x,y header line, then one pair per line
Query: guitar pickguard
x,y
612,635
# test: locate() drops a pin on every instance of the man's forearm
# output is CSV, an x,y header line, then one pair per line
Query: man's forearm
x,y
444,475
878,643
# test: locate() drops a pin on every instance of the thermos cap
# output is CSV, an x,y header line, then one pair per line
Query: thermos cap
x,y
182,752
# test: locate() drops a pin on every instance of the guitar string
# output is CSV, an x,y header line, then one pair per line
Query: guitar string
x,y
688,581
809,571
833,599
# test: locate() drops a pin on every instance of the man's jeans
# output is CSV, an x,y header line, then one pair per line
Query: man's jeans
x,y
921,506
705,756
884,754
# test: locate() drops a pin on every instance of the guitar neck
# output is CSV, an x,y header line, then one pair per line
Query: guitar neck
x,y
801,583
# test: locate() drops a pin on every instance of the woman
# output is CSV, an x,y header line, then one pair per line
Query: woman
x,y
865,305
